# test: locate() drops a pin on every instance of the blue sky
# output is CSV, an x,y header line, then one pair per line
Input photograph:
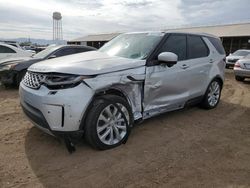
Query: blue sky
x,y
33,18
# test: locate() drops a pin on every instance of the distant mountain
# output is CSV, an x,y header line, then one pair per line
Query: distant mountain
x,y
37,41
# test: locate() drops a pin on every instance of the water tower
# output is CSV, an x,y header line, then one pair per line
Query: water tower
x,y
57,27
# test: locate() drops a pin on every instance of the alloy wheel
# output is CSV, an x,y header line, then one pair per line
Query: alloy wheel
x,y
111,126
214,93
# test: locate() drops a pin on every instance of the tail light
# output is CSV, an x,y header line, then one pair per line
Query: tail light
x,y
237,64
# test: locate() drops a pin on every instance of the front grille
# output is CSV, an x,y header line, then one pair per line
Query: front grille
x,y
33,80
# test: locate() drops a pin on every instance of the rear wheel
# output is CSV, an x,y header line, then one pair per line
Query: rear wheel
x,y
239,78
106,126
212,95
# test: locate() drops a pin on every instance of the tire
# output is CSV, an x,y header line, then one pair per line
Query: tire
x,y
239,78
212,96
99,119
20,76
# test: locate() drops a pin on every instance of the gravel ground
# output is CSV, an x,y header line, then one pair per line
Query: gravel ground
x,y
187,148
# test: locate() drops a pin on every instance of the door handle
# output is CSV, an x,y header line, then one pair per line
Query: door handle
x,y
211,60
184,66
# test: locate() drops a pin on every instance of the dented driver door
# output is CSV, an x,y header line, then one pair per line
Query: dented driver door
x,y
166,89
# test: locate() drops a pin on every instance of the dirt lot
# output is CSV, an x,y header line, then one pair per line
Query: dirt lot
x,y
188,148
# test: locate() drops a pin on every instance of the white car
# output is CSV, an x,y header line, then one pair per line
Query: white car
x,y
135,76
232,58
7,51
242,68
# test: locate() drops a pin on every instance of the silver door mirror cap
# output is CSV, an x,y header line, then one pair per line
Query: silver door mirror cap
x,y
168,57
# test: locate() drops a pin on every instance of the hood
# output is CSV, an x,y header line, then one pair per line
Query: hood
x,y
20,63
87,63
13,60
234,57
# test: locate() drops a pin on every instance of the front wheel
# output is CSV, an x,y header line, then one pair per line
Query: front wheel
x,y
108,122
212,95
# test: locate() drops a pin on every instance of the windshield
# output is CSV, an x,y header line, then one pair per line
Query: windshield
x,y
241,53
133,46
46,52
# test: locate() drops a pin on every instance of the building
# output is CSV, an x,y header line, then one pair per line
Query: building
x,y
233,36
96,41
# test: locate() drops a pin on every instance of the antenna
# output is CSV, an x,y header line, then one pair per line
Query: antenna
x,y
57,27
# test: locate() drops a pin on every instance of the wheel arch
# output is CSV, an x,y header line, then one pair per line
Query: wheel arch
x,y
108,91
218,77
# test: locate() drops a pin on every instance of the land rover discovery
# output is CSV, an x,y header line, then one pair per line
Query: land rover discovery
x,y
135,76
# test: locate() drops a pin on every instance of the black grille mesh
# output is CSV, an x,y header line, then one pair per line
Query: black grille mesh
x,y
33,80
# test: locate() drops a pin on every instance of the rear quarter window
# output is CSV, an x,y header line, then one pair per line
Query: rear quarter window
x,y
217,44
196,47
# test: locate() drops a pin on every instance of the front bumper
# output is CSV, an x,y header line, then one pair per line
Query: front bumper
x,y
56,110
230,64
242,72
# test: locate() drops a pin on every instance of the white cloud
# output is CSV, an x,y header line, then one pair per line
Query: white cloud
x,y
33,18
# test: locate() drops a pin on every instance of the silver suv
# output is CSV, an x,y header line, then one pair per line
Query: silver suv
x,y
100,94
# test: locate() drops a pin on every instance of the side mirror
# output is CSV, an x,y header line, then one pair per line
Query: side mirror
x,y
168,58
52,56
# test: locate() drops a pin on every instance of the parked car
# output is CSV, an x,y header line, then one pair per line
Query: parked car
x,y
7,51
31,49
12,70
15,44
232,58
242,68
133,77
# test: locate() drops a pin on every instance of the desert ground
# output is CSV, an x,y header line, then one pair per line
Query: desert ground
x,y
187,148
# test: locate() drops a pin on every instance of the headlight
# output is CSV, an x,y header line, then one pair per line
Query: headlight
x,y
62,81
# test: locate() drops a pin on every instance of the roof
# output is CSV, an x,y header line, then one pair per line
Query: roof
x,y
229,30
97,37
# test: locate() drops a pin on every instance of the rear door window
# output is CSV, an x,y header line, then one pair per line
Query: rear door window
x,y
196,47
65,51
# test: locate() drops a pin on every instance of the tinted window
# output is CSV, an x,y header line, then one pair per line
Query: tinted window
x,y
79,50
4,49
50,49
196,47
176,44
65,51
13,45
217,44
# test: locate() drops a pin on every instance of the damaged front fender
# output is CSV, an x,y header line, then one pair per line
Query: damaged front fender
x,y
128,82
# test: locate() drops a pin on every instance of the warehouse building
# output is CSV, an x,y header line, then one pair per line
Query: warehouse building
x,y
96,41
233,36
